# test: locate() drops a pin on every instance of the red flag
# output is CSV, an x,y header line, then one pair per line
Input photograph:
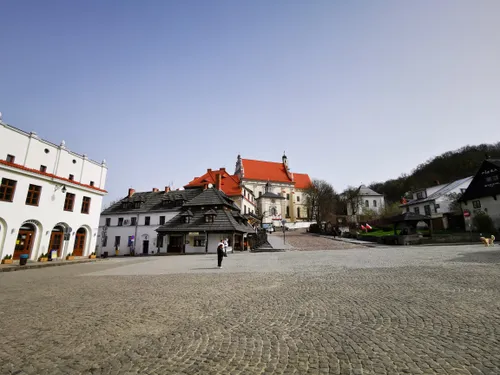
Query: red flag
x,y
363,227
368,226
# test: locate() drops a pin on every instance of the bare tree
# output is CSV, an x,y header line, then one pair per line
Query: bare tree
x,y
352,199
321,200
454,203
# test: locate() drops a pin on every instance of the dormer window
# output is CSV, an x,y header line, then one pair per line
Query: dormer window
x,y
210,216
125,205
137,204
421,195
187,215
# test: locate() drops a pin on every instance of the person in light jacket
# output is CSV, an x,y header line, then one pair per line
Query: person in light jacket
x,y
226,244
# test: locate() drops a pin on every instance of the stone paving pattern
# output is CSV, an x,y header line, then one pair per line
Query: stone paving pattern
x,y
301,241
425,310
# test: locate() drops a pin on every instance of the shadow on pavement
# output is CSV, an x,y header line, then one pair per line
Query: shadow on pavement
x,y
492,257
205,268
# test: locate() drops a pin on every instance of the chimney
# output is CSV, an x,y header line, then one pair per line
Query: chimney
x,y
167,189
218,183
131,192
155,190
223,170
209,170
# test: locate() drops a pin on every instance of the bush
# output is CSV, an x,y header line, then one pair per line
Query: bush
x,y
314,228
483,223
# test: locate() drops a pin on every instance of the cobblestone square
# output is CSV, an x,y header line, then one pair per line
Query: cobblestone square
x,y
405,310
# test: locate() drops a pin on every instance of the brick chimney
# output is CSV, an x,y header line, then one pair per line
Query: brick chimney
x,y
218,182
155,190
223,170
209,170
167,189
131,192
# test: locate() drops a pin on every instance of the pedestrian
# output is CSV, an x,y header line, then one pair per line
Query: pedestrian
x,y
220,253
226,244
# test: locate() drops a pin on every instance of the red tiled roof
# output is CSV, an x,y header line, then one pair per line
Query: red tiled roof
x,y
230,184
264,170
18,166
302,180
272,171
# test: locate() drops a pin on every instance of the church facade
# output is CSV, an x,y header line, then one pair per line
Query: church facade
x,y
280,194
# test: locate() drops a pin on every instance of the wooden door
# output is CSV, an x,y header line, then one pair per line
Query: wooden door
x,y
175,244
145,247
56,240
24,243
79,243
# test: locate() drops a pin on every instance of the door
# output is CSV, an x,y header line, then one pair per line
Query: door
x,y
175,244
24,243
145,247
79,243
56,239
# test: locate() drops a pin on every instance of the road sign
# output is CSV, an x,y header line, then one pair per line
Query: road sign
x,y
466,213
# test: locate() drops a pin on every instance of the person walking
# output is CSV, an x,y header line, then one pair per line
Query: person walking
x,y
220,253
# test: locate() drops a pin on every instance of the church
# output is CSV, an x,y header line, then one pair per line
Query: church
x,y
280,194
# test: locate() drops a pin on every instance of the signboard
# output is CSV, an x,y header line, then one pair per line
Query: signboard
x,y
466,213
194,233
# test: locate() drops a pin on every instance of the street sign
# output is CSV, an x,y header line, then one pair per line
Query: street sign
x,y
466,213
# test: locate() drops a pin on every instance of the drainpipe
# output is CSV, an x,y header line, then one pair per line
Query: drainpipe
x,y
135,234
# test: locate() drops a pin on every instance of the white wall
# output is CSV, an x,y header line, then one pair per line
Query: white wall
x,y
380,204
140,231
488,205
30,152
47,214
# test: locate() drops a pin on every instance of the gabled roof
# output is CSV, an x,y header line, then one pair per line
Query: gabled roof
x,y
302,181
364,190
152,201
486,181
230,184
443,190
273,171
271,195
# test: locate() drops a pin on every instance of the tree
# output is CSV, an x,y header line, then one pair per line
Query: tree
x,y
454,205
321,200
352,200
390,210
483,223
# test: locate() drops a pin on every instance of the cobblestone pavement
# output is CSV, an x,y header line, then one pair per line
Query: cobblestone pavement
x,y
414,310
302,241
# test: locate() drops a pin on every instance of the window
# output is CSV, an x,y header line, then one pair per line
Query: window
x,y
137,204
69,202
159,241
186,219
85,205
133,221
298,198
367,204
208,218
120,221
117,241
199,242
108,221
427,210
436,207
91,183
298,212
416,210
288,197
476,204
420,195
10,158
287,211
71,177
147,220
374,203
7,190
43,168
105,241
260,193
245,209
162,220
494,178
33,196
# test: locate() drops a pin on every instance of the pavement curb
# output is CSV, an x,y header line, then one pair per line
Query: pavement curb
x,y
56,264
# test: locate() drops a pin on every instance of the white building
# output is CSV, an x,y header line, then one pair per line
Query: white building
x,y
368,201
131,223
435,201
50,197
483,193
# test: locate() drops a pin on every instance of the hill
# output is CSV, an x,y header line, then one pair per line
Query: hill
x,y
445,168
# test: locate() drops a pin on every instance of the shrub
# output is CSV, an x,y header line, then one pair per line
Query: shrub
x,y
314,228
483,223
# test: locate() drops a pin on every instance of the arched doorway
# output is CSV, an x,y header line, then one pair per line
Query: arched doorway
x,y
79,246
56,239
25,240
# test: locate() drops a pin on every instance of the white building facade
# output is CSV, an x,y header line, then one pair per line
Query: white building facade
x,y
50,197
129,226
368,201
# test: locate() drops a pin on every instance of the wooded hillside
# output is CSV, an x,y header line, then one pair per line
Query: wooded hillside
x,y
445,168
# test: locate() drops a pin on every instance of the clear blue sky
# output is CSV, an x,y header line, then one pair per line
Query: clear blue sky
x,y
354,91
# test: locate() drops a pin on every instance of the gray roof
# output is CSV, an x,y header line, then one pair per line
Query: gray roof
x,y
152,201
210,201
211,196
364,190
439,193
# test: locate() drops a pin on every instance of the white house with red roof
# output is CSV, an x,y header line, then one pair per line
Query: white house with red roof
x,y
50,197
280,193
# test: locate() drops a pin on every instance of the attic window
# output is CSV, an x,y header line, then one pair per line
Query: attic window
x,y
137,204
187,219
209,218
420,195
124,204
